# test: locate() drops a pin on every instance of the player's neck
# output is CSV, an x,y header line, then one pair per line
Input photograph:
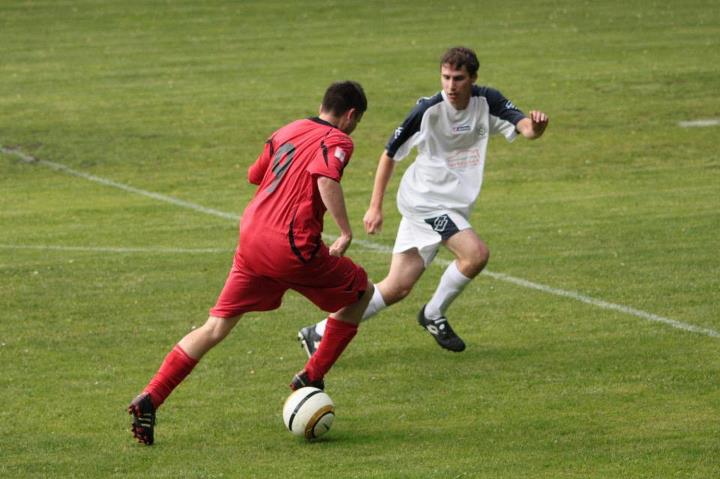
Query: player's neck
x,y
330,118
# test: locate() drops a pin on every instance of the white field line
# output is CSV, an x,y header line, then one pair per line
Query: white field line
x,y
115,184
700,123
110,249
369,245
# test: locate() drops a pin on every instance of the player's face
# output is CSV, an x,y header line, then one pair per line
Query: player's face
x,y
457,85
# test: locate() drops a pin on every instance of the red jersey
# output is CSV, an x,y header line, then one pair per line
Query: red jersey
x,y
287,206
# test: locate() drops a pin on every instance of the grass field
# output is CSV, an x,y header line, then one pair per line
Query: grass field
x,y
617,205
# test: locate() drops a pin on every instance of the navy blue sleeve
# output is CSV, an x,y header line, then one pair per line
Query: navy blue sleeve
x,y
501,106
411,125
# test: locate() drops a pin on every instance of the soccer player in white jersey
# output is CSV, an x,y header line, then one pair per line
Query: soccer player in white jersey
x,y
450,131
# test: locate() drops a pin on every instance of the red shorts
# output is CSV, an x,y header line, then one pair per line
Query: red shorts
x,y
331,283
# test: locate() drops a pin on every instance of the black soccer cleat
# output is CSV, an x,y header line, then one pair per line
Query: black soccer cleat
x,y
309,340
301,380
442,332
143,413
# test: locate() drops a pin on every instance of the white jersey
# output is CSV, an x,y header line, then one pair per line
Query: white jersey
x,y
451,145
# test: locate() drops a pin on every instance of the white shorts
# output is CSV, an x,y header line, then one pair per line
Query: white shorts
x,y
426,234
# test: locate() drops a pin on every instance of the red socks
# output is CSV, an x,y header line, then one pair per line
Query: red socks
x,y
175,367
177,364
338,335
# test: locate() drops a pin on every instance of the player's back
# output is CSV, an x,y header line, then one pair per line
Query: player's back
x,y
287,204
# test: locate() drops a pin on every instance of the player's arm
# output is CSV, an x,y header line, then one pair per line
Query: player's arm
x,y
334,200
373,218
257,170
533,126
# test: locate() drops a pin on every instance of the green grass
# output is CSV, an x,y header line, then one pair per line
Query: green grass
x,y
616,202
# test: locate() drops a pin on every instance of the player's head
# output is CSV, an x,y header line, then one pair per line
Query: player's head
x,y
459,57
458,72
346,102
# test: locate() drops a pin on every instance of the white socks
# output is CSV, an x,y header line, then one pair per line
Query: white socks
x,y
451,284
376,305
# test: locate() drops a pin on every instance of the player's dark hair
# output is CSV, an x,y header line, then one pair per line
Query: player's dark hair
x,y
459,56
342,96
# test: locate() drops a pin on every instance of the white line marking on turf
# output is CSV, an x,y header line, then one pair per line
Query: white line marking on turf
x,y
115,184
605,305
110,249
567,294
700,123
383,249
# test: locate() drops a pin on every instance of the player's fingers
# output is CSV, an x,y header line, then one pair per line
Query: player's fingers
x,y
539,117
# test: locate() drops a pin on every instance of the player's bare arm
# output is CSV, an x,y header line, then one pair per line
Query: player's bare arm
x,y
373,218
533,126
334,200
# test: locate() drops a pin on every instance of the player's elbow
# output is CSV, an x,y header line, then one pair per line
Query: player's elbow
x,y
253,177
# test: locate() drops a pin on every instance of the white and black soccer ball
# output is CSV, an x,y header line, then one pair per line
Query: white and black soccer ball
x,y
308,412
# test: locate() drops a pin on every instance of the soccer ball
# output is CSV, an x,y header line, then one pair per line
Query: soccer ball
x,y
308,412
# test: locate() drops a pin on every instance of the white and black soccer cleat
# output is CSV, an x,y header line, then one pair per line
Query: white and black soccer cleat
x,y
309,340
442,332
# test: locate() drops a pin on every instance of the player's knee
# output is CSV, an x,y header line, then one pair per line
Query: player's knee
x,y
398,293
472,265
216,329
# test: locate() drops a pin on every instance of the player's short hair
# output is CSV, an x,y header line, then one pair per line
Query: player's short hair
x,y
459,56
342,96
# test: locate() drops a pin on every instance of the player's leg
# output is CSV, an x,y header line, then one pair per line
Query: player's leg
x,y
176,366
406,268
471,256
186,354
242,292
341,327
416,244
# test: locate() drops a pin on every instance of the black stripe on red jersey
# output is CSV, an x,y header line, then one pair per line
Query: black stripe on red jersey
x,y
293,246
324,151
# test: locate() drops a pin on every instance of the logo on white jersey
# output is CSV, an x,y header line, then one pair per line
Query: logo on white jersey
x,y
340,155
461,129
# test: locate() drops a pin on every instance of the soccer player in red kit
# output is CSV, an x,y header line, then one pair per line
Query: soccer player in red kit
x,y
280,247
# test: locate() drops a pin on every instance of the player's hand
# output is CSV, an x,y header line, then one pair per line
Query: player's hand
x,y
373,221
340,245
539,122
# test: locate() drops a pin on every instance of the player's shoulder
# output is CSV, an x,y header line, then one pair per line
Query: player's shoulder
x,y
485,91
335,137
422,105
425,102
498,104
